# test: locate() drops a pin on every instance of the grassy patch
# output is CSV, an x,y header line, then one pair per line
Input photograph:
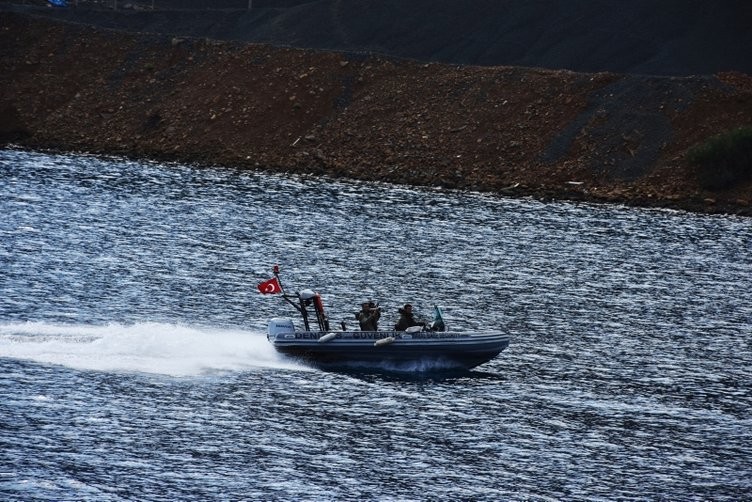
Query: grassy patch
x,y
724,160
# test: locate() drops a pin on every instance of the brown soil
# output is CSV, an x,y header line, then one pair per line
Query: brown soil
x,y
554,134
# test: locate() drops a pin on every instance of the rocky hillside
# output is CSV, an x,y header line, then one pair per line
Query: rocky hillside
x,y
652,37
548,133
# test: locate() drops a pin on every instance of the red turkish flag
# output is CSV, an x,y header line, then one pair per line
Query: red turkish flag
x,y
270,287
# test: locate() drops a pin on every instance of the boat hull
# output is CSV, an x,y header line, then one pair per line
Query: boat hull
x,y
391,350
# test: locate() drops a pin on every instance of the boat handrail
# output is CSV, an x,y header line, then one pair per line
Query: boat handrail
x,y
378,335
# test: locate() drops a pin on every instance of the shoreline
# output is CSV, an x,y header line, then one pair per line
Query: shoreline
x,y
543,195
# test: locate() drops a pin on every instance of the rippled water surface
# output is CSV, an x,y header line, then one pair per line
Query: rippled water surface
x,y
134,363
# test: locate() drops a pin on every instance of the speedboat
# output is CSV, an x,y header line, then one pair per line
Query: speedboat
x,y
388,350
419,348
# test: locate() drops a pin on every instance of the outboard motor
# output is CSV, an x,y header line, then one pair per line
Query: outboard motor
x,y
278,326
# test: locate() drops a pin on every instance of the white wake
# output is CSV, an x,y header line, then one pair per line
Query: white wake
x,y
168,349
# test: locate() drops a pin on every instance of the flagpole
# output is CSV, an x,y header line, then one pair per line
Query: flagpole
x,y
300,308
275,269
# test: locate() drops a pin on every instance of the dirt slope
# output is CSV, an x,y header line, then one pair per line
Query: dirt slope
x,y
601,137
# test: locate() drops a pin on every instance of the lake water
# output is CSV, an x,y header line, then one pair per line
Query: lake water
x,y
134,363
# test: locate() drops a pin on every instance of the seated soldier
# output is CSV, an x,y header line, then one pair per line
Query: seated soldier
x,y
407,320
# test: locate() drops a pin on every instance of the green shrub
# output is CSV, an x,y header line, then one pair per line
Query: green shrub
x,y
724,160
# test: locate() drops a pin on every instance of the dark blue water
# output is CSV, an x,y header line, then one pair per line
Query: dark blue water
x,y
134,364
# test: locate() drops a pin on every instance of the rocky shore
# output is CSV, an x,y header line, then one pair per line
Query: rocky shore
x,y
602,137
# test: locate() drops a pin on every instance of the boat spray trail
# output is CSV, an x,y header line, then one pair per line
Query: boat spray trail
x,y
169,349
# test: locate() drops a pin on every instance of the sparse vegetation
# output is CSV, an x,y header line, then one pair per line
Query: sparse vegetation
x,y
724,160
